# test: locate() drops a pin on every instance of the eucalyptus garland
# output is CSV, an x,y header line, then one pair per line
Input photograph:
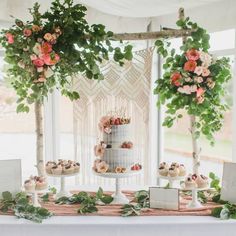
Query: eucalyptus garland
x,y
193,81
46,52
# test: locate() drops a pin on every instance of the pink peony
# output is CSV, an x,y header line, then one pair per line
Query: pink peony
x,y
38,62
27,32
10,38
50,59
192,54
190,65
200,92
205,72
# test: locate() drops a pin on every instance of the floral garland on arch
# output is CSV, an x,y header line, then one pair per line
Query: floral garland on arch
x,y
193,81
44,53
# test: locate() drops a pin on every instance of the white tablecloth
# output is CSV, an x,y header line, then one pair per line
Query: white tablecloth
x,y
119,226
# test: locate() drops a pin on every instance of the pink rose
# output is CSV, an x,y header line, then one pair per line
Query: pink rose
x,y
198,70
27,32
200,99
105,123
192,54
38,62
10,38
50,59
205,72
46,48
200,92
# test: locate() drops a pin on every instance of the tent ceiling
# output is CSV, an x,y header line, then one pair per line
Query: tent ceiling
x,y
143,8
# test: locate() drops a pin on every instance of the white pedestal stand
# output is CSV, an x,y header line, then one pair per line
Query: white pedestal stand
x,y
171,180
35,199
63,192
194,204
118,196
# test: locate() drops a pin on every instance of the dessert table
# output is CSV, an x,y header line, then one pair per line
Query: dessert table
x,y
119,226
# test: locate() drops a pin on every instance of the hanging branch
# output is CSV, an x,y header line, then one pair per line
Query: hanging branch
x,y
168,33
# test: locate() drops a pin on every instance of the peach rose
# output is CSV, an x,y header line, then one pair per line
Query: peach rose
x,y
102,167
200,99
46,48
33,57
48,37
10,38
175,79
190,65
36,28
99,150
192,54
105,124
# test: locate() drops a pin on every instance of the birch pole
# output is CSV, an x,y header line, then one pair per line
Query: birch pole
x,y
39,138
195,147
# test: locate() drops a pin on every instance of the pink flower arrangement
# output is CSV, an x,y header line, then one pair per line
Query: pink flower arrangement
x,y
27,32
196,75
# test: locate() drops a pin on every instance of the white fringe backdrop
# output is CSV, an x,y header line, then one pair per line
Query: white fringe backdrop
x,y
126,87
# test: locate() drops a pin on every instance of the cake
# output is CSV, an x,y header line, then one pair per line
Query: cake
x,y
116,152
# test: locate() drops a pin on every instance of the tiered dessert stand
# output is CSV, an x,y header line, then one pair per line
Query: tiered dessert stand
x,y
118,196
63,192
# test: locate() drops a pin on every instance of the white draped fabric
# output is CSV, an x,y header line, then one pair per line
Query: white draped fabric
x,y
127,88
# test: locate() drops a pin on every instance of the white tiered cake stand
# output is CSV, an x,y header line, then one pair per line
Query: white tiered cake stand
x,y
194,204
34,193
118,196
170,179
63,192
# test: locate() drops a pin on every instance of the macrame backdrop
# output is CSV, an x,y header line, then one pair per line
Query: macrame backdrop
x,y
127,87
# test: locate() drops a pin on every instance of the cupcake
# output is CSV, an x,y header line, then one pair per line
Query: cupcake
x,y
49,166
174,164
56,170
76,167
182,170
29,185
69,169
190,182
202,181
163,171
41,183
173,171
164,164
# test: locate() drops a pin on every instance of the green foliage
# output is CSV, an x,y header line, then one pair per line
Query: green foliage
x,y
22,208
81,48
209,113
87,202
215,182
227,211
141,203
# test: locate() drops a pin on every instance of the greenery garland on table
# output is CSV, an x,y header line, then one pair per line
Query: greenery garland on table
x,y
193,81
21,207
